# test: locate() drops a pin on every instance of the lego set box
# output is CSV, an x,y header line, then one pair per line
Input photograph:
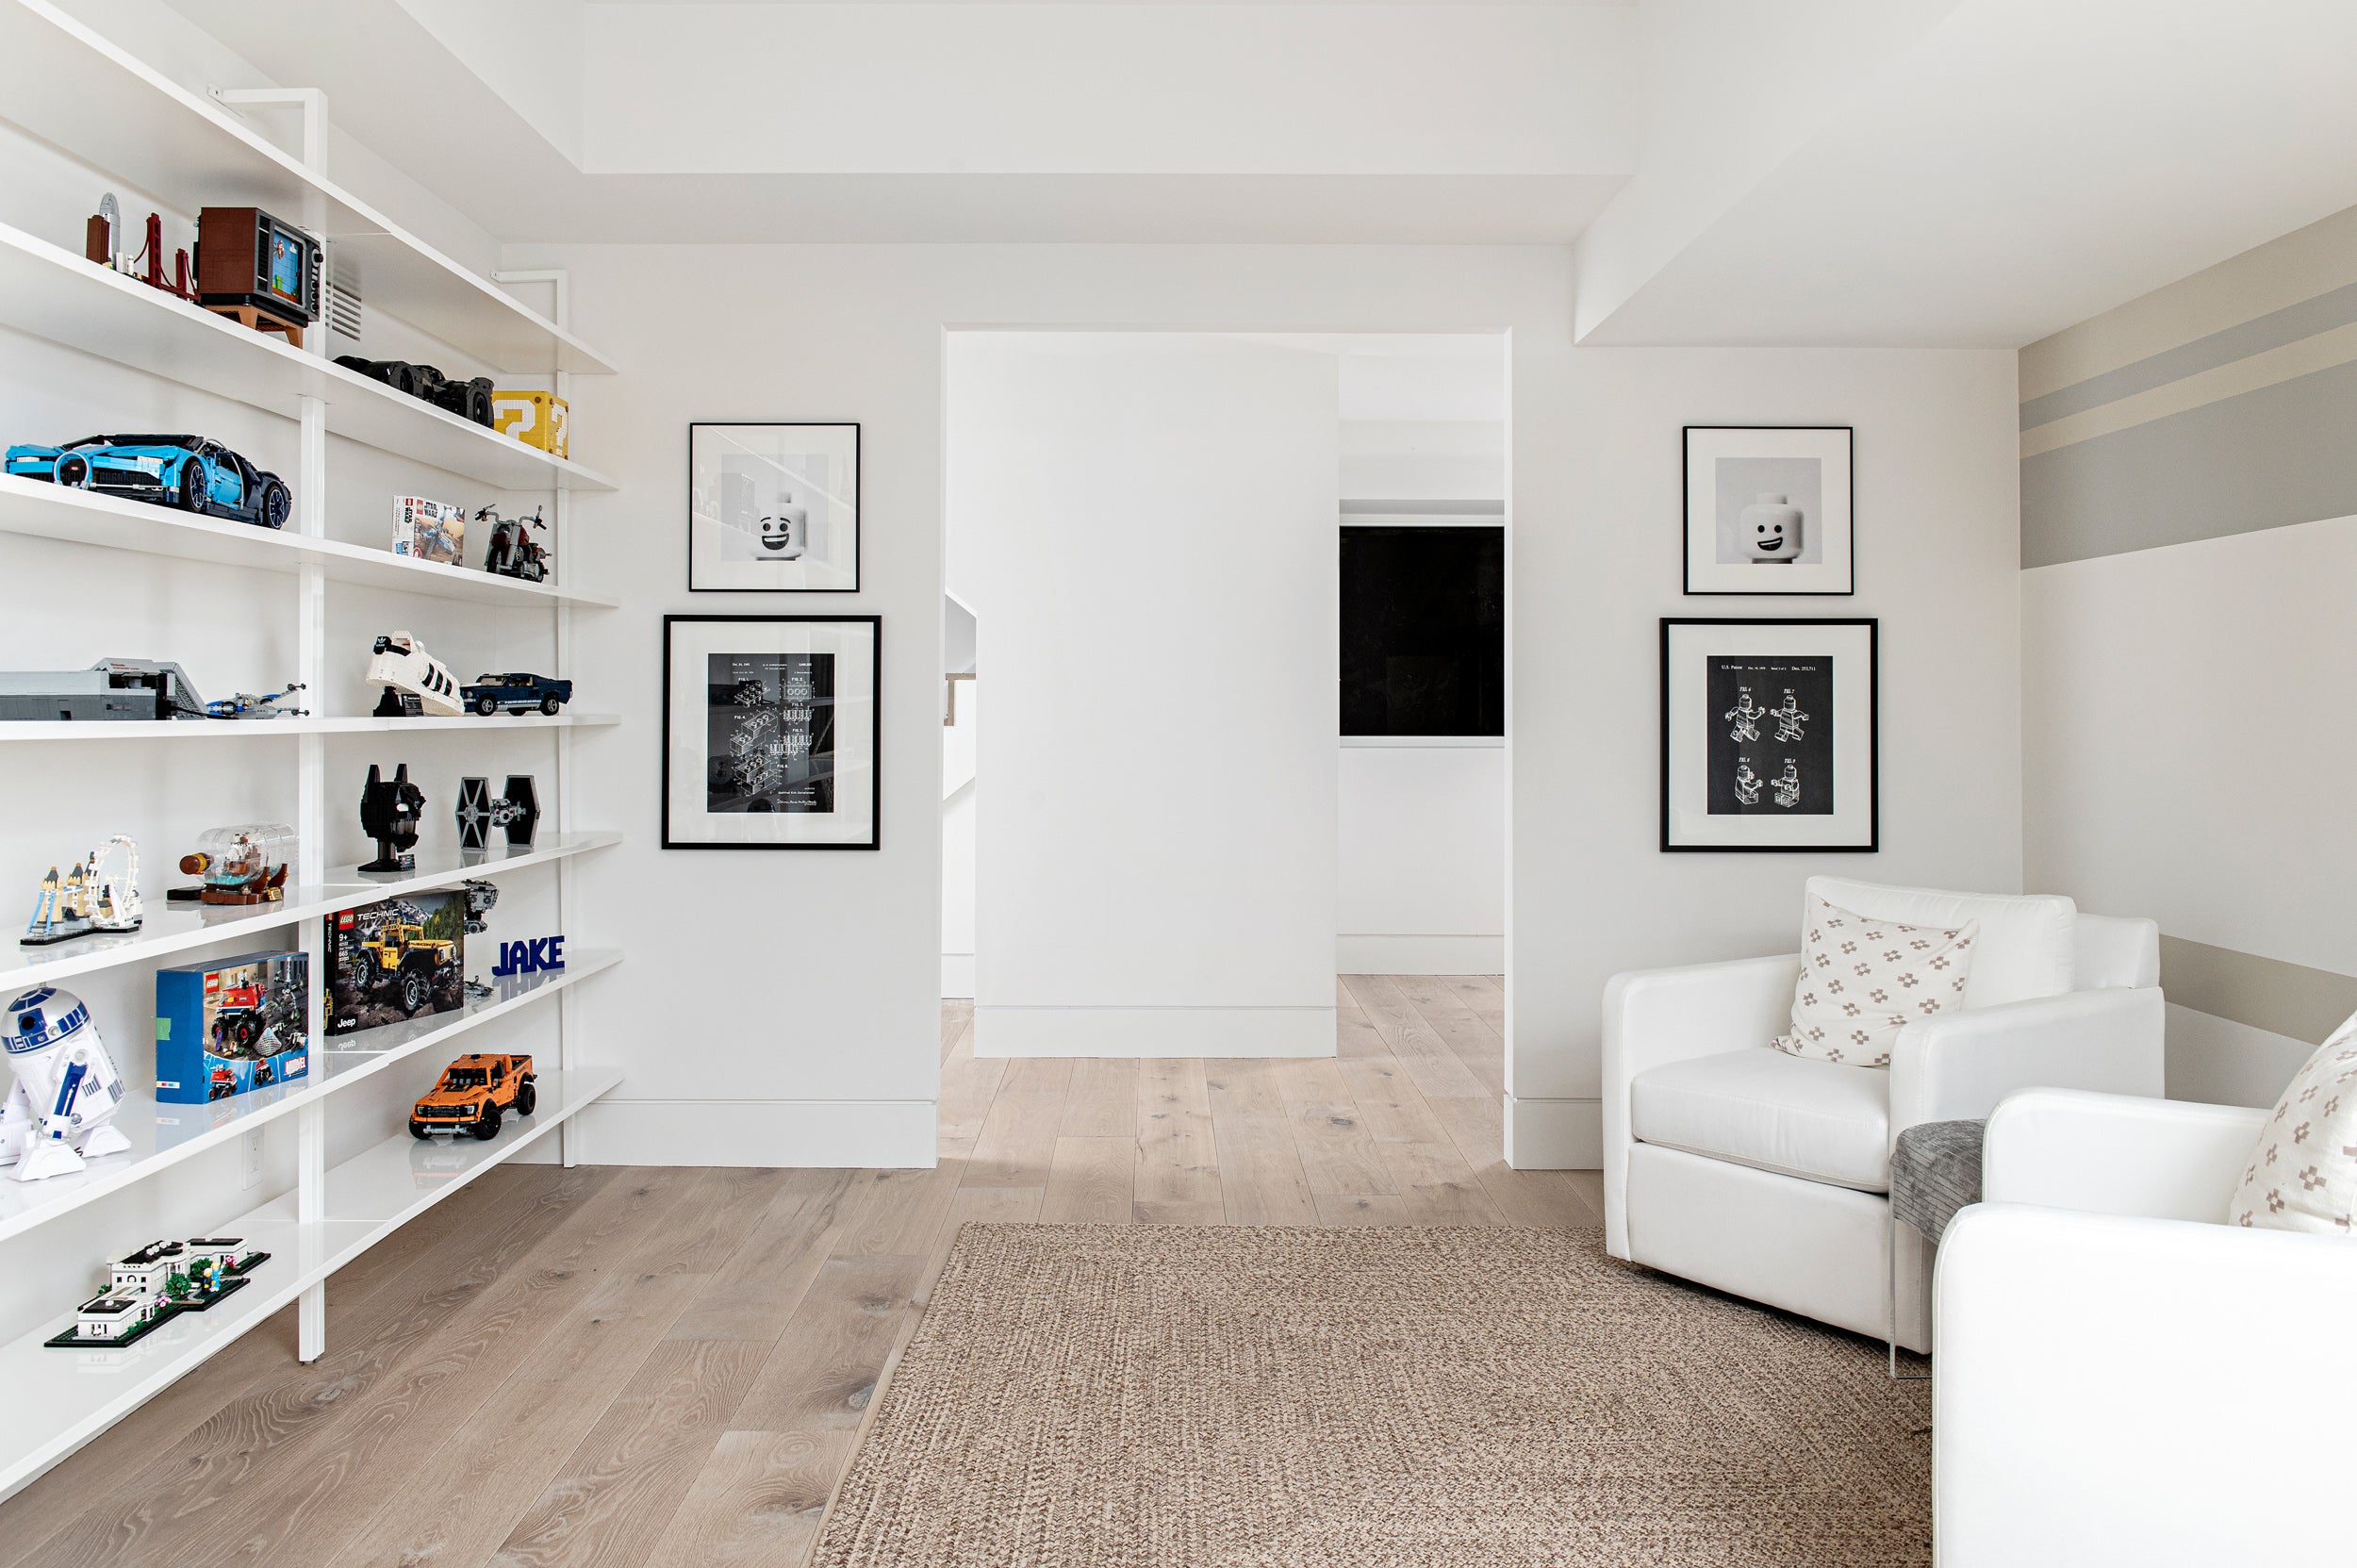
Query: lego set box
x,y
429,530
395,960
232,1025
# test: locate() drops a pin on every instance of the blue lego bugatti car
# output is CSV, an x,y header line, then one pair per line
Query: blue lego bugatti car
x,y
192,472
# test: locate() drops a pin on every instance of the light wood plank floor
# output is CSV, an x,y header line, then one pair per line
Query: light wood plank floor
x,y
658,1368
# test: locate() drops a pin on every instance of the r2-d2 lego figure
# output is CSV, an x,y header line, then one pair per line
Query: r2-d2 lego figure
x,y
64,1088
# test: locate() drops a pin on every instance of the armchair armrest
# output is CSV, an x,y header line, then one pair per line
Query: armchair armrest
x,y
2110,1154
1655,1016
1956,1066
2098,1380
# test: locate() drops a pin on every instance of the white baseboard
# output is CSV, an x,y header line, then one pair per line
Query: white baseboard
x,y
1365,954
957,977
859,1135
1553,1135
1153,1032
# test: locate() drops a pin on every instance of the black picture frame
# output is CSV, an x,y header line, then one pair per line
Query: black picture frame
x,y
859,479
1872,629
875,760
1812,586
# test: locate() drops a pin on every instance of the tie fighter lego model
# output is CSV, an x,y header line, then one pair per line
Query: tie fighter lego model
x,y
390,811
517,810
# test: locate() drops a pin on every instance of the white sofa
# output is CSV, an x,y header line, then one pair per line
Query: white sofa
x,y
1733,1165
2123,1378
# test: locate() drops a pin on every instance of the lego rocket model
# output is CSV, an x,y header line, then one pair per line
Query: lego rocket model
x,y
66,1080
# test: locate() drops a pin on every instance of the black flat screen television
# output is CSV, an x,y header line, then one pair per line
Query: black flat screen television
x,y
1423,630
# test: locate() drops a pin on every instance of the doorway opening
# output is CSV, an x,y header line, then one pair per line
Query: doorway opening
x,y
1224,741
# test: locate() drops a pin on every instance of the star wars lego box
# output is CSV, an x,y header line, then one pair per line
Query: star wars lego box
x,y
232,1025
395,960
429,530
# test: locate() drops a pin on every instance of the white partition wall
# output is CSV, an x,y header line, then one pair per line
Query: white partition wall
x,y
1143,525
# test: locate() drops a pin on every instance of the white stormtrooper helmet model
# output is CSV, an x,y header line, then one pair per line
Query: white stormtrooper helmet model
x,y
65,1089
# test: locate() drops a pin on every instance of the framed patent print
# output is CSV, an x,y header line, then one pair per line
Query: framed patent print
x,y
1768,510
1768,735
773,508
769,731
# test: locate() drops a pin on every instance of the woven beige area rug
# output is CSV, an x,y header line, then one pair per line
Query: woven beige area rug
x,y
1279,1398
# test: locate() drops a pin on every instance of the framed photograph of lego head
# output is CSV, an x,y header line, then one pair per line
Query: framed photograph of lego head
x,y
1768,735
773,508
769,731
1768,510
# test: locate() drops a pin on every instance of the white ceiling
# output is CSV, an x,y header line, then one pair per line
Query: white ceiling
x,y
2011,168
1403,123
1930,171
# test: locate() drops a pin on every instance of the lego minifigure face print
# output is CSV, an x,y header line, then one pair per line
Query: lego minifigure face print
x,y
773,508
1768,510
785,532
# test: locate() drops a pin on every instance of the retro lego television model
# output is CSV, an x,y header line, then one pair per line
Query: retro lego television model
x,y
228,1026
248,260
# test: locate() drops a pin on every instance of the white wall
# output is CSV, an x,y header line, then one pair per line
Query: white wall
x,y
1422,861
1147,523
799,992
1595,562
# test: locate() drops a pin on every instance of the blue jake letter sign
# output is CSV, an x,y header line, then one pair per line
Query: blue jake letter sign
x,y
543,955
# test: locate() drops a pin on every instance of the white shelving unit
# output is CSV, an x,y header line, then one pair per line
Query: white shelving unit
x,y
83,94
70,1396
38,510
51,293
68,86
197,729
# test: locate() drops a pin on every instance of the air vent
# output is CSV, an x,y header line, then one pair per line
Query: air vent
x,y
343,293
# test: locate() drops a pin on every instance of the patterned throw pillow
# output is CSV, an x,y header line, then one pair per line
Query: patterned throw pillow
x,y
1863,980
2304,1173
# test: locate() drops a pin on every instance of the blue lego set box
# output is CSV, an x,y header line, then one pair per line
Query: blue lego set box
x,y
232,1025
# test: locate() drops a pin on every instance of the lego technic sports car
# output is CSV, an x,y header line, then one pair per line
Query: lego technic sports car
x,y
192,472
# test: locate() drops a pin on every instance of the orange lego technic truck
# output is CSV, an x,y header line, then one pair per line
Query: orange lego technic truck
x,y
475,1092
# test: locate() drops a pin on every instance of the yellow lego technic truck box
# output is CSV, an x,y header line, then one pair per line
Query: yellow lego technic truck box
x,y
395,960
535,419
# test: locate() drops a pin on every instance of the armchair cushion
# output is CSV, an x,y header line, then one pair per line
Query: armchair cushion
x,y
1820,1121
2027,946
1864,980
2303,1176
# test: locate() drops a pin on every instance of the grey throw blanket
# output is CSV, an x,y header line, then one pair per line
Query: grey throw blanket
x,y
1934,1171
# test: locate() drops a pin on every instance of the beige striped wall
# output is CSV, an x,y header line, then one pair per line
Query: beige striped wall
x,y
2189,622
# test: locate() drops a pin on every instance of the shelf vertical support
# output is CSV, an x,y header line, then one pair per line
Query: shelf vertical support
x,y
311,848
567,1020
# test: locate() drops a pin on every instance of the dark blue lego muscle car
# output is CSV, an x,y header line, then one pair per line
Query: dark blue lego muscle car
x,y
188,471
516,693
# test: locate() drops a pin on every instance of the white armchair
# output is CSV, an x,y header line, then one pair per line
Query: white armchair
x,y
1730,1164
2123,1378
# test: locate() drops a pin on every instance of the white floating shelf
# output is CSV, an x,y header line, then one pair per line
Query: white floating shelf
x,y
51,293
39,510
60,1400
70,1396
163,1134
72,87
251,729
176,928
390,1184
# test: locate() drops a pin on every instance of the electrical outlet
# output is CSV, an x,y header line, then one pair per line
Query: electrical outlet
x,y
253,1158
